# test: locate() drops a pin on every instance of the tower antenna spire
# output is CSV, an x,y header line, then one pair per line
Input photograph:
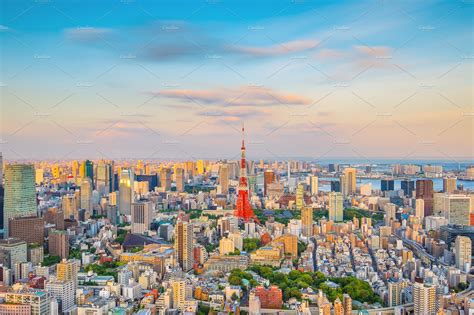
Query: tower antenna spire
x,y
243,209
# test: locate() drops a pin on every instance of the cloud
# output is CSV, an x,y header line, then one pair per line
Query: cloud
x,y
244,96
330,53
87,34
236,113
280,49
4,28
373,51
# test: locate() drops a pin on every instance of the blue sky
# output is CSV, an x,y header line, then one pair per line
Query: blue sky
x,y
319,79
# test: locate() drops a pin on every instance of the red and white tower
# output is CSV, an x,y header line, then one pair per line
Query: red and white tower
x,y
243,209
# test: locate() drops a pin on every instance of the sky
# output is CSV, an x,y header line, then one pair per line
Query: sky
x,y
165,80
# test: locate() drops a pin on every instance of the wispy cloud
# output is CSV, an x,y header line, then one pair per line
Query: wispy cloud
x,y
281,49
4,28
87,34
244,96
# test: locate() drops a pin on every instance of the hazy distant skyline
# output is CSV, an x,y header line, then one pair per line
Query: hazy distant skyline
x,y
316,79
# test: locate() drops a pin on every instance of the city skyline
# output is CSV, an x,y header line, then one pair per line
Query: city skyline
x,y
136,80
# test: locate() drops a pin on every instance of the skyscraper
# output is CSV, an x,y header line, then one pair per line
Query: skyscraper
x,y
126,192
456,209
104,177
20,192
86,194
224,178
67,270
408,186
463,253
180,180
300,196
390,212
449,184
424,298
58,243
87,170
347,303
28,228
200,167
335,186
268,178
165,179
387,184
1,169
314,185
424,190
63,292
350,180
183,244
420,209
307,221
142,215
336,206
69,206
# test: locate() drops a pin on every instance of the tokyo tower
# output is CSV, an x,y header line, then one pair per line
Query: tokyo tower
x,y
243,209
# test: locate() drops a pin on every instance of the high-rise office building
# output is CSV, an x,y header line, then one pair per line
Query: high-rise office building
x,y
200,167
314,182
307,221
104,177
39,176
2,201
29,229
20,193
14,252
184,244
420,209
268,178
58,243
1,169
336,186
336,206
463,253
408,186
86,169
424,298
424,190
180,179
224,178
142,216
165,179
86,194
69,206
126,191
387,185
449,184
456,208
112,214
300,196
75,168
390,213
350,180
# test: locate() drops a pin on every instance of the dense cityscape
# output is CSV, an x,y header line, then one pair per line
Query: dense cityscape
x,y
236,157
235,237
